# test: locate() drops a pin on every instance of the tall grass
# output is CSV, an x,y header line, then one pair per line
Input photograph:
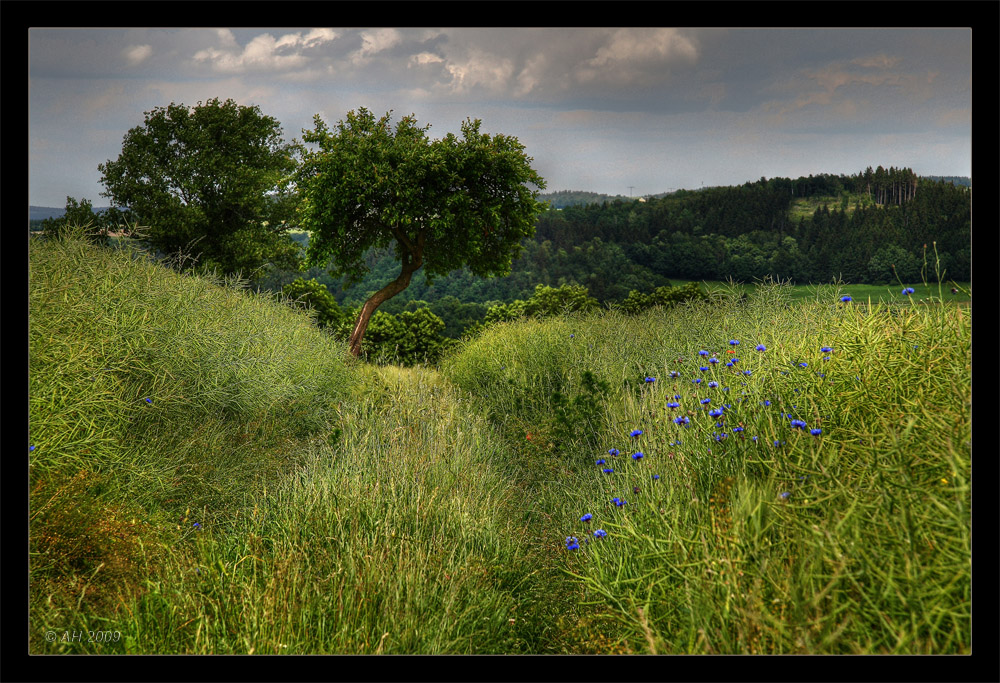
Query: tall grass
x,y
741,532
271,495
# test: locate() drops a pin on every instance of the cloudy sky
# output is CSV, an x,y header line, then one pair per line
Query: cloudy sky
x,y
617,111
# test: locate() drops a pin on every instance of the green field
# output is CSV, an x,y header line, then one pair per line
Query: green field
x,y
212,474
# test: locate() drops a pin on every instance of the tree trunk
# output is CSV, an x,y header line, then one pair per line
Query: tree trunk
x,y
410,265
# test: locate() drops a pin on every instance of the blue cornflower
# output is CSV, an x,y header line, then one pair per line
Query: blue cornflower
x,y
715,413
650,379
619,502
705,400
712,385
737,429
30,448
637,456
765,403
697,380
673,404
677,396
713,361
600,462
196,525
825,349
816,432
600,533
674,373
608,470
572,543
908,291
571,336
148,400
730,363
798,424
785,495
761,347
733,342
754,439
703,352
803,365
636,432
703,368
656,476
587,517
845,299
613,451
746,372
683,420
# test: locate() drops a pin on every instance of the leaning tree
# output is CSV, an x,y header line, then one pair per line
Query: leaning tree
x,y
440,204
215,179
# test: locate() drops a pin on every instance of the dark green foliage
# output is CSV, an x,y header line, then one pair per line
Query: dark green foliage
x,y
577,422
316,297
662,296
212,181
94,227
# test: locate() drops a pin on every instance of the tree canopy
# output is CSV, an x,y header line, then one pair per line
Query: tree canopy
x,y
438,204
213,179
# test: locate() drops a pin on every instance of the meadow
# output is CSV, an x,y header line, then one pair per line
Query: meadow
x,y
210,473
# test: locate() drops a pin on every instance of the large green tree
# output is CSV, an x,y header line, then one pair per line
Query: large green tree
x,y
213,180
439,204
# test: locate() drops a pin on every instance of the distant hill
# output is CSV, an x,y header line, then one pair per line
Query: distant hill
x,y
40,213
953,179
563,198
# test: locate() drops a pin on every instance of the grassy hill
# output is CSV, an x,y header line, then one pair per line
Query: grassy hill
x,y
210,473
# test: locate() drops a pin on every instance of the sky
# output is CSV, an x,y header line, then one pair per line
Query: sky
x,y
619,111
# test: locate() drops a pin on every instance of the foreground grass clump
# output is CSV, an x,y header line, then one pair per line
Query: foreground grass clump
x,y
157,401
764,478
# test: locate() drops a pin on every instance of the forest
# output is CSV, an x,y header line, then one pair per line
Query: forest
x,y
873,227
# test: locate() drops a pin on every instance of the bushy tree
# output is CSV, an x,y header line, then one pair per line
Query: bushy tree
x,y
212,180
95,227
440,205
316,297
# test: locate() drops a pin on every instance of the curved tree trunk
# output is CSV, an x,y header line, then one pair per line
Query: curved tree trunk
x,y
410,266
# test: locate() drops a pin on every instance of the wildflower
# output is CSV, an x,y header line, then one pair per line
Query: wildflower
x,y
761,347
637,456
715,413
737,429
746,372
636,432
677,396
600,533
705,400
619,502
30,448
697,380
587,517
613,451
673,404
765,403
785,495
600,462
733,342
712,385
703,368
674,373
571,336
845,299
713,361
608,470
754,439
908,291
816,432
148,400
730,364
803,365
681,420
798,424
656,476
825,349
196,525
703,352
650,379
572,543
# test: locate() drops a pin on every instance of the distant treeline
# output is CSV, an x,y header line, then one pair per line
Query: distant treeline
x,y
868,228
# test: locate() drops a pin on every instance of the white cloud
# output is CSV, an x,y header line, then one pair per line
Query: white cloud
x,y
373,42
137,54
263,52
